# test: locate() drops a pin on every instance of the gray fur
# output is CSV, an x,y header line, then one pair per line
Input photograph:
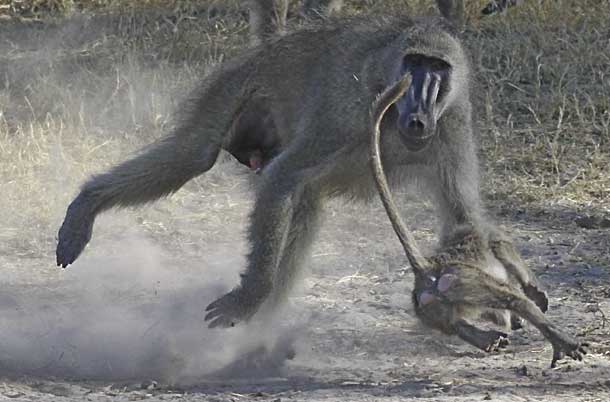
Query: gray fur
x,y
302,101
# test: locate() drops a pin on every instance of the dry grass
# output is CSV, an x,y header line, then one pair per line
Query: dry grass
x,y
544,69
79,93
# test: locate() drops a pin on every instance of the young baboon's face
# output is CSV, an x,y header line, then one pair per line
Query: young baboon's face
x,y
425,101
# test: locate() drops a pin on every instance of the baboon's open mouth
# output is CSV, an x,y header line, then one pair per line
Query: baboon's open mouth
x,y
415,144
256,162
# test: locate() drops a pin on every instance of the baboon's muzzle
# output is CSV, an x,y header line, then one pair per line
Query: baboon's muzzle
x,y
422,105
417,131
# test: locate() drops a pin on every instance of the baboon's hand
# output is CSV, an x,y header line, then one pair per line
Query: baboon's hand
x,y
74,233
236,306
565,345
493,341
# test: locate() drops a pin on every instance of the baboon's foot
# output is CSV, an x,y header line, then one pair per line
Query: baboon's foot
x,y
236,306
493,341
75,232
537,296
487,340
516,322
566,345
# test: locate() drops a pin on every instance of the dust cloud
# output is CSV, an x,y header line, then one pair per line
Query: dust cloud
x,y
131,316
125,309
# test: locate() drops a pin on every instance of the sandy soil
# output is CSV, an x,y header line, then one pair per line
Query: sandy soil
x,y
351,324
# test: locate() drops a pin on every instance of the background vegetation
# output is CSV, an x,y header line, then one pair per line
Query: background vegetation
x,y
83,83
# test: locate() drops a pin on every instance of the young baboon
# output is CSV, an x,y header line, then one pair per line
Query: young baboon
x,y
474,272
308,137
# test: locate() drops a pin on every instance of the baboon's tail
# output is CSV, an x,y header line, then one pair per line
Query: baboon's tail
x,y
190,150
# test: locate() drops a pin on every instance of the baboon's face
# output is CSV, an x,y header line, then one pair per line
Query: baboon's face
x,y
424,102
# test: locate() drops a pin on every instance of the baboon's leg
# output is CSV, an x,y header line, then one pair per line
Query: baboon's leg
x,y
159,170
304,226
317,8
487,340
265,18
505,252
563,344
279,234
452,10
488,292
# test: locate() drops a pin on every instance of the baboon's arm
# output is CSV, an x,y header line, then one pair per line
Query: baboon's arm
x,y
281,227
271,229
454,179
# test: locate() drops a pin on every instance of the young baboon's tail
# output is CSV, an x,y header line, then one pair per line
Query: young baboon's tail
x,y
390,95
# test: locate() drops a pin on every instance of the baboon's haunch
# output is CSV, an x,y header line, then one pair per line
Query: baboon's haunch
x,y
476,271
297,111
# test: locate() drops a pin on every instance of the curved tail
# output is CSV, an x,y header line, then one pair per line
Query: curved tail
x,y
418,262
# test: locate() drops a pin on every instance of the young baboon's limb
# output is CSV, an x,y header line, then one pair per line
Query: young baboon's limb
x,y
465,286
463,277
504,250
487,340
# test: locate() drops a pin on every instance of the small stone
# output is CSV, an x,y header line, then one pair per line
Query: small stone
x,y
149,385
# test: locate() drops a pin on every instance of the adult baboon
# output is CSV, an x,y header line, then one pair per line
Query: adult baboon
x,y
474,272
309,138
269,16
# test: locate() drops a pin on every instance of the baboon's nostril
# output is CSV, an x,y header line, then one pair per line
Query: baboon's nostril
x,y
416,124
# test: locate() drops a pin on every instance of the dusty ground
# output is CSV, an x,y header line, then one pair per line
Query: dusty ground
x,y
126,321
